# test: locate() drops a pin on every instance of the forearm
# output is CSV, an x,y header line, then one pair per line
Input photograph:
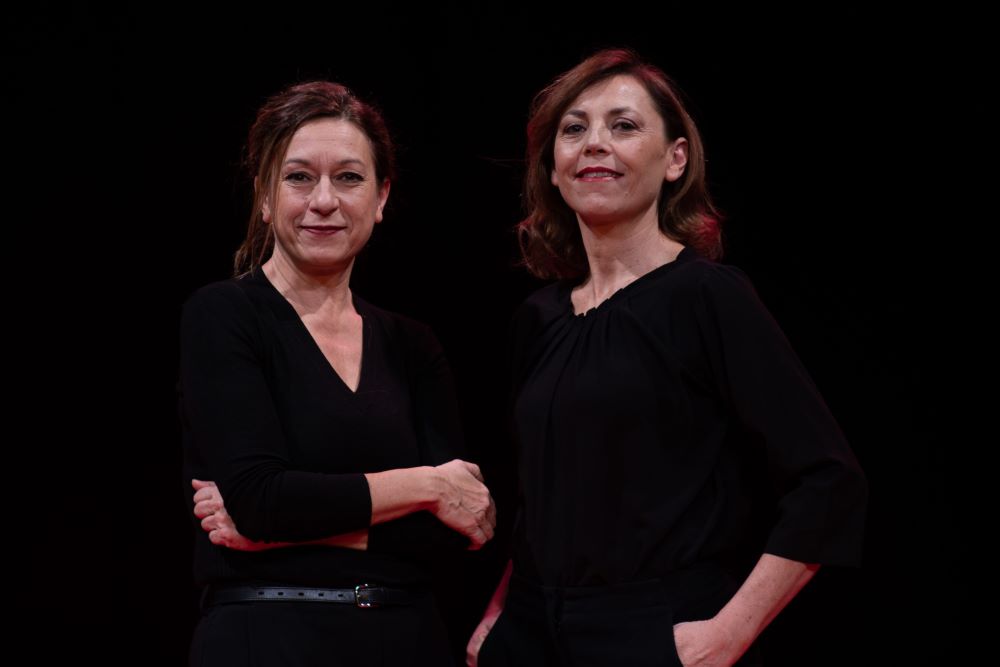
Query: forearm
x,y
396,493
771,585
356,540
391,494
499,598
452,492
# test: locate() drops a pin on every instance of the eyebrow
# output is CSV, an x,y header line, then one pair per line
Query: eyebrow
x,y
612,112
298,160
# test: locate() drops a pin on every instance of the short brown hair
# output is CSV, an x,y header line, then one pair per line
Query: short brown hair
x,y
549,236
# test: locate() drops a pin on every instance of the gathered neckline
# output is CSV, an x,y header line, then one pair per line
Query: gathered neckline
x,y
590,312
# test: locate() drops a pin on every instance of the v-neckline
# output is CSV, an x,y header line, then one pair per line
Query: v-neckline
x,y
333,369
358,308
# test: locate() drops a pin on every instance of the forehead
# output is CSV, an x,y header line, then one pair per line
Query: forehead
x,y
620,91
333,135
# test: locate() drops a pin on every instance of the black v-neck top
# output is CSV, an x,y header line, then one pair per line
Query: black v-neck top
x,y
653,429
266,417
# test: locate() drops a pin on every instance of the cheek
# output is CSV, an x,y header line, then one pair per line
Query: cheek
x,y
562,167
563,159
292,207
655,184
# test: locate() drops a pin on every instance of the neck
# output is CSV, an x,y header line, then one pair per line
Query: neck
x,y
326,293
618,253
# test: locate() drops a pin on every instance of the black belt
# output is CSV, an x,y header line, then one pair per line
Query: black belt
x,y
363,596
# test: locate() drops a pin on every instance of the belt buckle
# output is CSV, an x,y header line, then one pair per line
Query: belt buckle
x,y
361,597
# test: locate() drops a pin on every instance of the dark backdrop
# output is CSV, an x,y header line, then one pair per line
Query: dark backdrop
x,y
839,146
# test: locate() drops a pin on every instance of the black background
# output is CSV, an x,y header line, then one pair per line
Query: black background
x,y
842,146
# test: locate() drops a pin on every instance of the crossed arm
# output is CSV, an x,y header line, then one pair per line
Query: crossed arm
x,y
453,492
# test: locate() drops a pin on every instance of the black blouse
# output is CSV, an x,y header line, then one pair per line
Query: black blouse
x,y
650,429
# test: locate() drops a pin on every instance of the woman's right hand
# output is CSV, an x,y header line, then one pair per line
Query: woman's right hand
x,y
464,503
215,520
493,611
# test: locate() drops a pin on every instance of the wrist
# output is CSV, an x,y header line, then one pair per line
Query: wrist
x,y
430,488
731,633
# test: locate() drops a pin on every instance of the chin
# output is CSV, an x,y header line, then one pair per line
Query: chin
x,y
599,217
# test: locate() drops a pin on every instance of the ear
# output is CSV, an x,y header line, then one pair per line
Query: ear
x,y
678,152
383,197
553,177
265,205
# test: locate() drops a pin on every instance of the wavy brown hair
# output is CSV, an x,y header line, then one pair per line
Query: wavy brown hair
x,y
549,236
270,135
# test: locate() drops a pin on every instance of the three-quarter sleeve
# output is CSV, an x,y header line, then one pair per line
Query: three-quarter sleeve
x,y
229,413
822,492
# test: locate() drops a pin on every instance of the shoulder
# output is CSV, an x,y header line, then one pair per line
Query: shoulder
x,y
537,314
249,288
721,298
696,281
222,297
701,299
233,305
695,272
222,293
542,306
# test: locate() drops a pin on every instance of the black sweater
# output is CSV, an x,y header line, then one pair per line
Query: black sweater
x,y
268,419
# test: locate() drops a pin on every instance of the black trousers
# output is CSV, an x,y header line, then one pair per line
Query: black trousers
x,y
294,634
626,624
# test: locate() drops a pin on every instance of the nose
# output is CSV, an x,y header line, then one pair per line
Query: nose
x,y
596,142
324,197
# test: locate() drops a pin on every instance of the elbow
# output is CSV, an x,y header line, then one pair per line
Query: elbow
x,y
251,522
255,501
250,513
848,514
855,483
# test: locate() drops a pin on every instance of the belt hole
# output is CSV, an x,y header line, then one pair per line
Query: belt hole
x,y
301,594
321,595
259,593
281,593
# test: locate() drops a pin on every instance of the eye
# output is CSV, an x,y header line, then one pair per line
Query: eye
x,y
297,177
573,128
625,124
351,177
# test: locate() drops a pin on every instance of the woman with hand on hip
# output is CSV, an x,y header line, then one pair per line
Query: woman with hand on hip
x,y
655,399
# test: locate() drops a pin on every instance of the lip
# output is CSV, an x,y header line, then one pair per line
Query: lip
x,y
323,231
598,173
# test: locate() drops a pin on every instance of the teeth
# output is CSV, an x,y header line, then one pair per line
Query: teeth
x,y
599,174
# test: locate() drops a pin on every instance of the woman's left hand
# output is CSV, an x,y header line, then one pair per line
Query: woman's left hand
x,y
215,520
705,644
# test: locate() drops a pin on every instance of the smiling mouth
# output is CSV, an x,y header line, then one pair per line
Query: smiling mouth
x,y
323,230
597,174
